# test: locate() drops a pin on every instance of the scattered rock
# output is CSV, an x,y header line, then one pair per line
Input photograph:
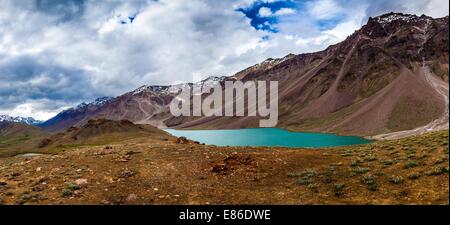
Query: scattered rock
x,y
182,140
126,173
105,202
125,158
219,168
38,169
40,180
116,199
37,188
231,163
81,182
104,152
108,147
131,198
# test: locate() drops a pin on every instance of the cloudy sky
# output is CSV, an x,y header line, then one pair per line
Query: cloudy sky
x,y
56,54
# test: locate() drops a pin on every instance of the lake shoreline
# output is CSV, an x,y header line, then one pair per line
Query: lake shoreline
x,y
268,137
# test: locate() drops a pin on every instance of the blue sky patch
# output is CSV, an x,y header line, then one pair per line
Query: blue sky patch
x,y
266,23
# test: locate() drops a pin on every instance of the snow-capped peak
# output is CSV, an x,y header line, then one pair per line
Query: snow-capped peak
x,y
148,88
391,17
18,119
97,103
271,62
174,89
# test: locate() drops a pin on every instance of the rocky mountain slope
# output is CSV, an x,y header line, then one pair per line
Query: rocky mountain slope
x,y
390,76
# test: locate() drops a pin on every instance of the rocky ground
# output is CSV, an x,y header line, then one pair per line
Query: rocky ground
x,y
142,171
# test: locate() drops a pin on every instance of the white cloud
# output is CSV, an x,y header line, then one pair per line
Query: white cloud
x,y
324,9
436,8
284,12
265,12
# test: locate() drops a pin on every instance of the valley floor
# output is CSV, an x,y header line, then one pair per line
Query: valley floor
x,y
407,171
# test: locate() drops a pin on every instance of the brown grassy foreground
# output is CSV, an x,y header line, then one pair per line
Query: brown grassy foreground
x,y
144,171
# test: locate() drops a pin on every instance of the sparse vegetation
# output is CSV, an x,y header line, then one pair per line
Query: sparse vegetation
x,y
304,181
395,179
439,160
338,189
411,164
73,187
414,176
355,162
388,162
369,180
438,170
371,158
66,192
296,174
360,170
306,177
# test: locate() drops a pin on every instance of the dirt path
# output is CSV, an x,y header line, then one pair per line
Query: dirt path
x,y
441,123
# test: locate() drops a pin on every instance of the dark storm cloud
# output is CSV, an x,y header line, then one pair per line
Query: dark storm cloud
x,y
33,78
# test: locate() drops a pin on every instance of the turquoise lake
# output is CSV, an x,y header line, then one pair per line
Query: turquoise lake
x,y
269,137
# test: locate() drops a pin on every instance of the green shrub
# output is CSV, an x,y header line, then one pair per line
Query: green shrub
x,y
396,179
66,192
414,176
411,164
371,158
373,187
338,189
355,162
73,187
368,179
360,170
304,181
439,161
439,170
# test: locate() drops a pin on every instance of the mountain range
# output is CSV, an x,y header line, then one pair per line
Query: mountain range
x,y
18,119
389,77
